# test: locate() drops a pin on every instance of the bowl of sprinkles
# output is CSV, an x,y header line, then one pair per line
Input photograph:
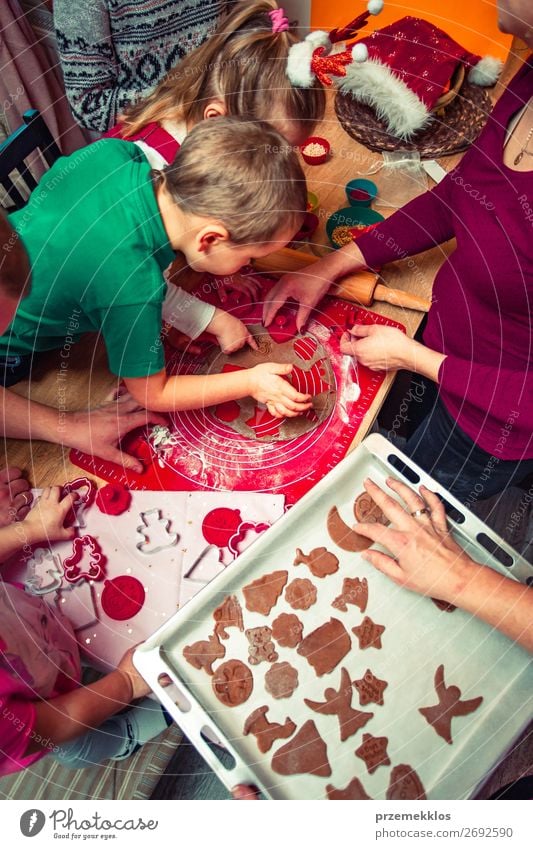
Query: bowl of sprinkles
x,y
347,224
315,150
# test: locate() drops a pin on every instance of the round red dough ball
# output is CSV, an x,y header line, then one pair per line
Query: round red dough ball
x,y
113,499
122,597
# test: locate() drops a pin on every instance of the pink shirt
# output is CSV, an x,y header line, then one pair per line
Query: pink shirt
x,y
39,659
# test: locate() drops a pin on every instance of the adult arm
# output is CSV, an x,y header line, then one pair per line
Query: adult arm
x,y
89,63
424,222
97,431
426,559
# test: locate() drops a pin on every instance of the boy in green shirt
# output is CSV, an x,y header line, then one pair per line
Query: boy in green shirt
x,y
101,227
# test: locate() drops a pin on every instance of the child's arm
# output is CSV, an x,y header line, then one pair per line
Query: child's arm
x,y
72,714
189,392
44,522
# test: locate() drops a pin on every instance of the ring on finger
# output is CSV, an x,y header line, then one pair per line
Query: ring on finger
x,y
26,500
423,511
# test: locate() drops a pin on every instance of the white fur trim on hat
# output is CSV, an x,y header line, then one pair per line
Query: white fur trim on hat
x,y
394,102
360,52
486,72
300,55
375,6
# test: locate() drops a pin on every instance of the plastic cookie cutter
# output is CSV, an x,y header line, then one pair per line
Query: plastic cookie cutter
x,y
162,441
243,530
82,546
155,532
85,490
43,563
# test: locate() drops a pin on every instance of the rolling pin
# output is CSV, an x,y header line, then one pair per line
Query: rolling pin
x,y
362,287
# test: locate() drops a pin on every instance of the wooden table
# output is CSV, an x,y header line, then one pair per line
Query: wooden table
x,y
89,381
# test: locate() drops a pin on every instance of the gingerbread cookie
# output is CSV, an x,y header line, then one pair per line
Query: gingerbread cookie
x,y
305,753
370,689
321,562
326,646
355,790
261,646
440,715
281,680
300,594
233,683
373,751
265,732
287,630
365,509
339,703
355,592
228,615
369,634
344,536
404,783
203,654
262,595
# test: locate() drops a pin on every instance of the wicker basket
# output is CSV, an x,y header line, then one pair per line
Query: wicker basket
x,y
458,78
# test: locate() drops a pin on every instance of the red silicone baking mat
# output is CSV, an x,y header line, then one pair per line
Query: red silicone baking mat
x,y
203,453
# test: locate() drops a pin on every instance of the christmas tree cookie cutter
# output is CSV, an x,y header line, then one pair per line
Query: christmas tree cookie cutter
x,y
71,564
150,519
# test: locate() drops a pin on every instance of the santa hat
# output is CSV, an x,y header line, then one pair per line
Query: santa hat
x,y
401,70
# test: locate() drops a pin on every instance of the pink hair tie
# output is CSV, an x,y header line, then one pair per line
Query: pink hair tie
x,y
280,21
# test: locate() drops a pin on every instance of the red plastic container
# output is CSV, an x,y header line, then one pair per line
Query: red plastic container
x,y
317,158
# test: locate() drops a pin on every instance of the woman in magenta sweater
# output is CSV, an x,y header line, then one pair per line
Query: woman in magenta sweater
x,y
478,340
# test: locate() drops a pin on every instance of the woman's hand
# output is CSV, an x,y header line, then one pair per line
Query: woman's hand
x,y
46,518
377,347
268,387
303,287
425,557
387,349
231,333
311,284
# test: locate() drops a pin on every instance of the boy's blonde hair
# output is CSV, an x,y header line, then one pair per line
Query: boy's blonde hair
x,y
243,64
242,174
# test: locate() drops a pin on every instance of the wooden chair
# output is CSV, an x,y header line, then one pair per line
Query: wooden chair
x,y
32,137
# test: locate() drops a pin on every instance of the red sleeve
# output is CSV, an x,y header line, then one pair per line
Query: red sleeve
x,y
422,223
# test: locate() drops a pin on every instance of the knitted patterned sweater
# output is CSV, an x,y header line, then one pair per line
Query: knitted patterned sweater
x,y
115,51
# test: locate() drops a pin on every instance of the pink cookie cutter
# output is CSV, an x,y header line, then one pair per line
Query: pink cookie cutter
x,y
95,571
83,499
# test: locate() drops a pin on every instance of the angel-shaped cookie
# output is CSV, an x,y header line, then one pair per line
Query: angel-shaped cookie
x,y
440,715
339,703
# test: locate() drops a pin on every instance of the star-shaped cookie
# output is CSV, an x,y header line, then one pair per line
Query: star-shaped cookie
x,y
373,751
369,634
370,689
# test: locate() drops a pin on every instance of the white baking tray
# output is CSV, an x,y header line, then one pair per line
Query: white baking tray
x,y
418,638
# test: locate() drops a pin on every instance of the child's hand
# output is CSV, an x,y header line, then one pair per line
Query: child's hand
x,y
46,518
268,387
139,687
231,333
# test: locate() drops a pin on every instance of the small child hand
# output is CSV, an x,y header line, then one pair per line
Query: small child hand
x,y
46,518
268,387
139,687
231,333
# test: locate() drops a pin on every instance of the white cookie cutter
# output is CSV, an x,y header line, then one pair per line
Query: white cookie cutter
x,y
147,521
34,582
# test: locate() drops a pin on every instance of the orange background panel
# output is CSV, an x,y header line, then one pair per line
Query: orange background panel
x,y
471,22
